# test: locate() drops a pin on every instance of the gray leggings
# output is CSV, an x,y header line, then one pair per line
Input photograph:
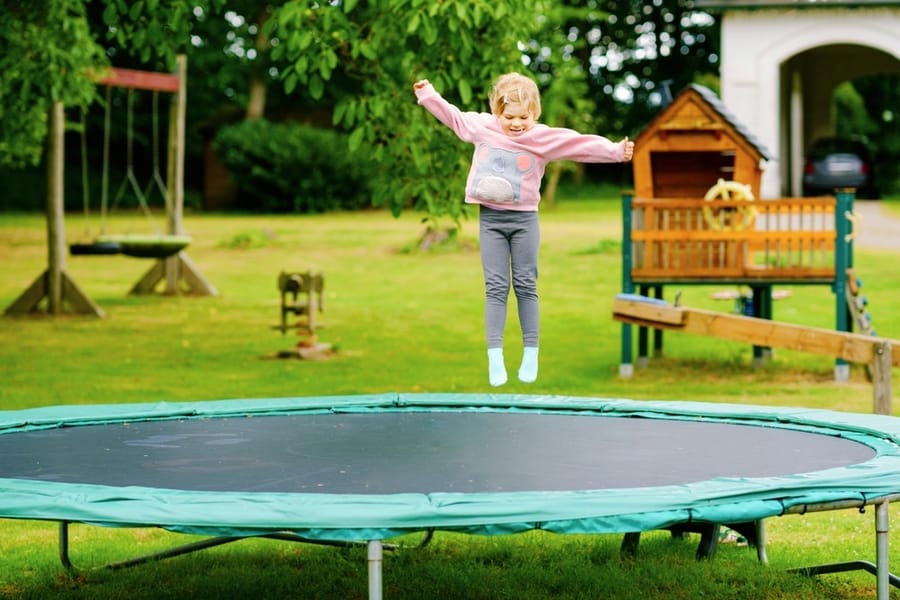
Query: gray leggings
x,y
509,242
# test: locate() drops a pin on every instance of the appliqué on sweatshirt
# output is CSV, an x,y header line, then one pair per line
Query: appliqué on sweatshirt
x,y
498,174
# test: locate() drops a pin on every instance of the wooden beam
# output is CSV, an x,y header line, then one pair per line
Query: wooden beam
x,y
141,80
70,294
852,347
184,272
649,311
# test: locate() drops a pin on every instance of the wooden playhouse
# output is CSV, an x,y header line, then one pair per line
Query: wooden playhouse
x,y
692,144
695,217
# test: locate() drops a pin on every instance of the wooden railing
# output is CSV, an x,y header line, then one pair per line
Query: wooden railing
x,y
784,239
755,243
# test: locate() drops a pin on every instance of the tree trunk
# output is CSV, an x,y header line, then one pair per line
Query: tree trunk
x,y
256,103
548,197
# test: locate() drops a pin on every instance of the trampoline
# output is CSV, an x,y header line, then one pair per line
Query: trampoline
x,y
348,469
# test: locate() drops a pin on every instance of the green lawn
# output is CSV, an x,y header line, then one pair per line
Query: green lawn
x,y
406,322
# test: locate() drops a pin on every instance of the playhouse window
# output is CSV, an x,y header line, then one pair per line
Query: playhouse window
x,y
689,174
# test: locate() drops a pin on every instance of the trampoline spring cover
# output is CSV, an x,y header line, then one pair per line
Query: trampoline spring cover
x,y
378,466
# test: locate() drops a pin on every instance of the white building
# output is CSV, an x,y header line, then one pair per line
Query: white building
x,y
781,61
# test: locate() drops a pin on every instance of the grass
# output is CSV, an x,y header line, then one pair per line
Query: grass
x,y
406,321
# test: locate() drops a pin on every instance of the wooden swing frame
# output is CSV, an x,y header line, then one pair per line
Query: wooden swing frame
x,y
54,283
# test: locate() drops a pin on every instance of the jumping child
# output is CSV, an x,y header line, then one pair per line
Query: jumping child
x,y
511,151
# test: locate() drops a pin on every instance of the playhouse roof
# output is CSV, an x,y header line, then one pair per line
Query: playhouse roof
x,y
713,108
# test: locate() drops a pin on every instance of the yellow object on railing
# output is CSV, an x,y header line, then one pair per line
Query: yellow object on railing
x,y
733,217
856,222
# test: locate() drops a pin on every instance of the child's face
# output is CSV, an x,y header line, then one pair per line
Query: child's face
x,y
515,119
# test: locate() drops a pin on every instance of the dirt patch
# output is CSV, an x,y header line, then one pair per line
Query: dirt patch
x,y
878,228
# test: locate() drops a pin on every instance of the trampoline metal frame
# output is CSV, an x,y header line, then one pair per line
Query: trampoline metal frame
x,y
375,548
211,542
881,569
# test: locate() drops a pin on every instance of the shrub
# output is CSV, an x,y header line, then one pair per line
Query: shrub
x,y
291,167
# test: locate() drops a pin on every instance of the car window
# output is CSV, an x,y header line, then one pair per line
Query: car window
x,y
824,147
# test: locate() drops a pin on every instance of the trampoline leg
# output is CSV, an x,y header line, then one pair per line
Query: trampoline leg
x,y
761,542
140,560
64,546
630,543
429,534
881,568
709,541
375,560
883,574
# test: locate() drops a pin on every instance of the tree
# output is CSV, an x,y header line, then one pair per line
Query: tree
x,y
256,107
635,49
53,55
377,50
553,57
880,95
631,56
231,49
49,55
599,65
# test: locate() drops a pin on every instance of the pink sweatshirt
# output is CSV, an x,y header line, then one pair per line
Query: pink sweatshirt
x,y
506,171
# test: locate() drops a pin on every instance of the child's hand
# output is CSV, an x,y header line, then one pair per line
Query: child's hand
x,y
629,150
420,84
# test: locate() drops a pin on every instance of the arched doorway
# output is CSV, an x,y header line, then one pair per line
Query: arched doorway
x,y
781,62
808,82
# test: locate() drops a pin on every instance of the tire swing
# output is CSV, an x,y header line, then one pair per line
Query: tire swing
x,y
156,245
736,214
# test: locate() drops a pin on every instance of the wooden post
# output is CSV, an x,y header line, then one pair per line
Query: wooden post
x,y
177,268
54,284
56,228
175,170
842,261
626,366
881,376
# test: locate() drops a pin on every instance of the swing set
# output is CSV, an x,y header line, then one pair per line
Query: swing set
x,y
172,265
156,245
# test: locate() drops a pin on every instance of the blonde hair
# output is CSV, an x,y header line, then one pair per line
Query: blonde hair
x,y
515,88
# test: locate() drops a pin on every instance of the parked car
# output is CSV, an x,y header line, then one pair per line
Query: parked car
x,y
835,162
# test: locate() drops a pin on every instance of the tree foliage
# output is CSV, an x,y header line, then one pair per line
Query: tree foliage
x,y
154,29
48,55
603,66
872,109
459,45
631,52
599,65
264,158
52,55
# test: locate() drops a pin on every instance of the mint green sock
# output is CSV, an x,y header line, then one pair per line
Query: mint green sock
x,y
529,369
496,367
